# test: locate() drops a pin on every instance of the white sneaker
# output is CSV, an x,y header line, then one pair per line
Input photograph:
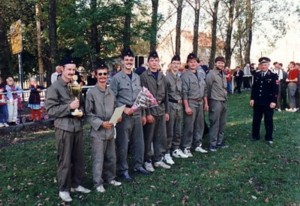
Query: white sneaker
x,y
161,164
6,125
149,167
279,110
100,189
187,152
294,110
1,125
179,154
288,110
168,159
200,149
80,189
115,183
65,196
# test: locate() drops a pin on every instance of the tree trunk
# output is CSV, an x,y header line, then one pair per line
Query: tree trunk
x,y
39,42
249,24
178,26
154,22
52,37
94,35
228,49
4,50
214,34
127,23
196,27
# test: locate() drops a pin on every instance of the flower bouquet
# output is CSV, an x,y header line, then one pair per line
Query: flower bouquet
x,y
144,100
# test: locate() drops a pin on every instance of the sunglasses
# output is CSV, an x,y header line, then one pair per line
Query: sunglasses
x,y
102,74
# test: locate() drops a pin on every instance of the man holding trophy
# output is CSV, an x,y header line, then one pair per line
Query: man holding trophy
x,y
65,104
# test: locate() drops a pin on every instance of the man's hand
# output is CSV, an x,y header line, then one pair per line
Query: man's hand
x,y
206,107
188,111
272,105
150,119
251,103
107,125
167,117
144,120
74,104
128,111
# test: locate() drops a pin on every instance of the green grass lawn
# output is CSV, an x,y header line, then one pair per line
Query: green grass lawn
x,y
246,173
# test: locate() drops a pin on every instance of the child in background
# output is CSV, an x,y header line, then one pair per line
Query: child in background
x,y
3,105
13,92
34,102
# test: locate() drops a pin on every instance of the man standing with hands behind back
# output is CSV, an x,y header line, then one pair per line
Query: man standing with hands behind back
x,y
263,99
68,132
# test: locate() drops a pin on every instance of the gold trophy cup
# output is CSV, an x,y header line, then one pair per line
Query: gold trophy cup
x,y
76,93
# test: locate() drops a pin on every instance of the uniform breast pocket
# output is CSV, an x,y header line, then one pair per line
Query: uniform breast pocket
x,y
125,86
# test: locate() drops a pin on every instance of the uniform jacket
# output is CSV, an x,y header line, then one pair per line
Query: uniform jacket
x,y
216,85
125,89
58,99
264,89
174,84
158,89
99,107
193,87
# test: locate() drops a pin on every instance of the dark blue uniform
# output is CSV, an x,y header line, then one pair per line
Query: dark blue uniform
x,y
264,91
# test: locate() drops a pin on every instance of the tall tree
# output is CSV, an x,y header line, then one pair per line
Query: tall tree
x,y
196,8
214,12
39,42
249,25
179,7
228,47
154,25
128,4
4,48
52,36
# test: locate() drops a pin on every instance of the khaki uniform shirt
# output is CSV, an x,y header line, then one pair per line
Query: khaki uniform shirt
x,y
58,99
125,89
99,107
158,89
193,87
174,86
216,85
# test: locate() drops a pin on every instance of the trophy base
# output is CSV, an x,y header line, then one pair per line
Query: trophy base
x,y
77,113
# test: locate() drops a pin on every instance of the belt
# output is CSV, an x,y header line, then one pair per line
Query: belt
x,y
175,101
196,100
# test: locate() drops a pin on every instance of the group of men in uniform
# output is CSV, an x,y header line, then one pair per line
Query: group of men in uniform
x,y
152,136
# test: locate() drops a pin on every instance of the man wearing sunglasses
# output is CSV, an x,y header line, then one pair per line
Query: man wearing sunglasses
x,y
100,105
126,86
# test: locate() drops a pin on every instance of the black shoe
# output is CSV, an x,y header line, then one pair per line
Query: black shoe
x,y
125,176
141,171
254,139
222,145
213,148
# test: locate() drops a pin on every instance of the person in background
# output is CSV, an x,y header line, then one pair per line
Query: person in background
x,y
56,74
100,106
34,102
282,75
238,76
263,100
297,96
217,102
292,80
3,105
61,105
13,95
247,76
91,79
228,74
